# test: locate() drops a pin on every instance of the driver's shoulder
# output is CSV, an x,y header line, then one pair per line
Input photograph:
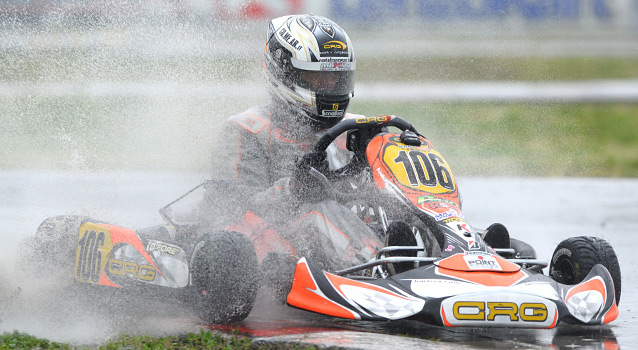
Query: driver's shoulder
x,y
254,119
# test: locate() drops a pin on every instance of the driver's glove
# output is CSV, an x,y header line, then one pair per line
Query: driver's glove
x,y
309,184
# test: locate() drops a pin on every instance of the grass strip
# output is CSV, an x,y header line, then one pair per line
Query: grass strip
x,y
191,341
484,139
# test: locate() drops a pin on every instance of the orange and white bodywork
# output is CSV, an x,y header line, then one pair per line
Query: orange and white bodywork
x,y
469,284
453,298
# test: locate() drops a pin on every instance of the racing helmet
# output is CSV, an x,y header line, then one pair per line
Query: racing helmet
x,y
309,65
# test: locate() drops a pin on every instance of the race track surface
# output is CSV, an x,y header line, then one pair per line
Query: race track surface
x,y
542,211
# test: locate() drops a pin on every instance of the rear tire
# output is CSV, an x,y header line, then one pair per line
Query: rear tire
x,y
574,258
226,277
53,247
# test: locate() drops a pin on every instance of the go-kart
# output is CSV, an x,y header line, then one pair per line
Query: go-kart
x,y
215,272
480,278
473,278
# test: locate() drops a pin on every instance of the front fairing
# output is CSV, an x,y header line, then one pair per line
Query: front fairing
x,y
446,297
468,284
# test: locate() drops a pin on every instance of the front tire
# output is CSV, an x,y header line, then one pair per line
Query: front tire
x,y
574,258
225,277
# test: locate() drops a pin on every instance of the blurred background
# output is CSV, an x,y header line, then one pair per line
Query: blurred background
x,y
501,87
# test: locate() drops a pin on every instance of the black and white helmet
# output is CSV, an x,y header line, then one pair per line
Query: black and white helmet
x,y
309,64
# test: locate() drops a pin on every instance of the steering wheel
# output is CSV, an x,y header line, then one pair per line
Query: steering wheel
x,y
373,126
366,128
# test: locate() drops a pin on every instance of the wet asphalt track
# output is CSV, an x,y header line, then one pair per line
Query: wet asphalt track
x,y
540,211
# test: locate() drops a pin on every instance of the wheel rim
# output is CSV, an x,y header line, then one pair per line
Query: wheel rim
x,y
564,271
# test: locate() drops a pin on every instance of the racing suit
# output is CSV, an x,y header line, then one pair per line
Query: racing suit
x,y
257,153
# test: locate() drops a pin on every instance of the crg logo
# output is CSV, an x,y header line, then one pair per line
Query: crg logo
x,y
131,269
381,119
499,311
334,44
516,308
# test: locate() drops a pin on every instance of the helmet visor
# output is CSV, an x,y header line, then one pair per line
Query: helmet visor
x,y
326,82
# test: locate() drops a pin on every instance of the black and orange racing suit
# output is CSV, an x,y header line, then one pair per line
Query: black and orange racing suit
x,y
256,153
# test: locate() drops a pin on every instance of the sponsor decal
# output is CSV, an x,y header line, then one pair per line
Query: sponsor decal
x,y
445,215
332,113
463,227
131,269
162,247
334,44
449,248
366,120
444,212
438,205
474,245
481,261
289,39
464,230
510,309
333,59
425,199
442,288
460,227
447,221
335,66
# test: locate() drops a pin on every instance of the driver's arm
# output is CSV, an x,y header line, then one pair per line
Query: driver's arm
x,y
240,157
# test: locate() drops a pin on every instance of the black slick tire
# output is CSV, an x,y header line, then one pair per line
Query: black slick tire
x,y
53,247
225,277
574,258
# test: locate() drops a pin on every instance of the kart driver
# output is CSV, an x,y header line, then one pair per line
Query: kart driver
x,y
309,66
